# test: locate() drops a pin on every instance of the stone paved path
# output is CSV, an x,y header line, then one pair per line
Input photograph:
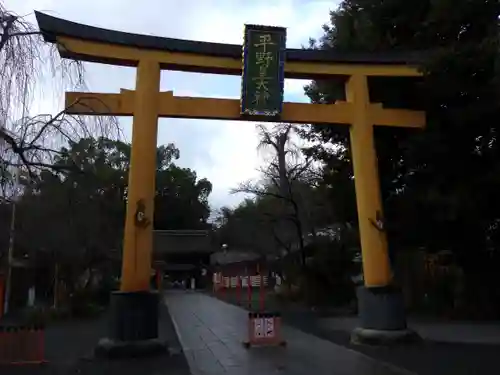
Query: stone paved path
x,y
211,332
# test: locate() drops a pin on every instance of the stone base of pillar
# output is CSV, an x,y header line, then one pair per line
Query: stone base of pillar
x,y
133,329
382,318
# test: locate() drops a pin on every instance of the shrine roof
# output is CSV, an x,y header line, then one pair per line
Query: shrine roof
x,y
53,27
182,241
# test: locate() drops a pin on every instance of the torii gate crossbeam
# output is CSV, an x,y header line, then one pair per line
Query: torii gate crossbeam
x,y
381,310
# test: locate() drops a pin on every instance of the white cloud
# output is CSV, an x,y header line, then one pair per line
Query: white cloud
x,y
224,152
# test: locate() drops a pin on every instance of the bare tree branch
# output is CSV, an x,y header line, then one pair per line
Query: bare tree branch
x,y
255,189
30,141
285,176
30,33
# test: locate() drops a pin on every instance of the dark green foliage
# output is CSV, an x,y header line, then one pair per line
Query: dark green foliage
x,y
41,316
86,303
327,280
440,185
85,208
76,220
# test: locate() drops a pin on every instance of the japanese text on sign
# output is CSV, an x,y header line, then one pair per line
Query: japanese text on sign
x,y
263,71
263,59
263,327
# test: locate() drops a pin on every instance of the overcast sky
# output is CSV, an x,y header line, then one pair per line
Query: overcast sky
x,y
222,151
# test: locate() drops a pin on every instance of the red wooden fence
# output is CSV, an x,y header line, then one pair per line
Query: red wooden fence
x,y
22,345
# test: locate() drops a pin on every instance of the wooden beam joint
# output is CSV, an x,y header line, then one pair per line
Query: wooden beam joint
x,y
341,112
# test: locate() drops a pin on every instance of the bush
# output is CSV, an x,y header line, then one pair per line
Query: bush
x,y
44,315
327,279
284,293
35,316
84,303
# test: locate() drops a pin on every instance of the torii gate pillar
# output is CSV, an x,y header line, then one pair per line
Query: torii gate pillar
x,y
380,305
135,308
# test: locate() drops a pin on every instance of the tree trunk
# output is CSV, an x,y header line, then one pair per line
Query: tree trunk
x,y
286,192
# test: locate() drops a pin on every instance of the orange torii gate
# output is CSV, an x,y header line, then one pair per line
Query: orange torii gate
x,y
266,62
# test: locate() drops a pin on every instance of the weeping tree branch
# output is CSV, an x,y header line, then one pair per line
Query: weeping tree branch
x,y
28,141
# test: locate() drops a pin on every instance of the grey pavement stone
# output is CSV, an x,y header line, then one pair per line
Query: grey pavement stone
x,y
211,333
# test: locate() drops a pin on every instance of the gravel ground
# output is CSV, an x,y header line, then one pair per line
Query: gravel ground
x,y
426,358
69,350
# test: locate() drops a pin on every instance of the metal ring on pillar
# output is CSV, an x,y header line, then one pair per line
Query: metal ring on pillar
x,y
140,215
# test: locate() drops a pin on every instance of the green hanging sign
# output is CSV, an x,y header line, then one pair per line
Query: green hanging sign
x,y
262,85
